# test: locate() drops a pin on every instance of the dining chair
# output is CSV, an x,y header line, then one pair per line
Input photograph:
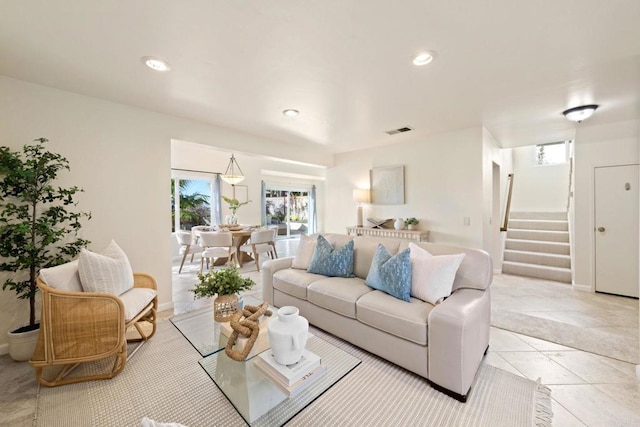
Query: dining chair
x,y
187,246
261,242
216,244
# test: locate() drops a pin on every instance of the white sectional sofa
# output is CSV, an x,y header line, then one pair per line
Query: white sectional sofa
x,y
444,343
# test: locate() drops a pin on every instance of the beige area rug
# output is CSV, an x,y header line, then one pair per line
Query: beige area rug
x,y
586,339
164,381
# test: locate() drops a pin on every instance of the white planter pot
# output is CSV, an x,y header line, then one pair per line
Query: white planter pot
x,y
288,335
21,345
399,224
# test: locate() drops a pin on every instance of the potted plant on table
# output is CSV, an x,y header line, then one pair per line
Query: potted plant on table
x,y
411,223
234,205
225,284
38,228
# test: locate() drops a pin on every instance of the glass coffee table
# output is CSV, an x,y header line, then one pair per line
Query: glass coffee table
x,y
199,328
259,401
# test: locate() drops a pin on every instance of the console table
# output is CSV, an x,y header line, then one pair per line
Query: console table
x,y
419,235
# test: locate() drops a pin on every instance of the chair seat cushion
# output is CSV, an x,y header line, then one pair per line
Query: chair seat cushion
x,y
294,282
217,252
193,249
261,248
135,300
407,320
338,294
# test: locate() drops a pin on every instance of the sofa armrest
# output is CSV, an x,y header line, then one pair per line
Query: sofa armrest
x,y
458,338
268,270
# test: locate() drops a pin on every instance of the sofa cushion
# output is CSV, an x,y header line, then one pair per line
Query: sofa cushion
x,y
306,247
135,300
294,282
330,261
433,276
406,320
364,249
391,274
338,294
63,277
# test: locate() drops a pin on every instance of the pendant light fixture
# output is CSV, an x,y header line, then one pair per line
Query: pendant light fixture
x,y
578,114
233,174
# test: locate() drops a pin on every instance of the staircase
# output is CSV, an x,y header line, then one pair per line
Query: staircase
x,y
537,245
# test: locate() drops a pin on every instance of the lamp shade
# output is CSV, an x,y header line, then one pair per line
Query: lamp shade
x,y
578,114
361,195
233,175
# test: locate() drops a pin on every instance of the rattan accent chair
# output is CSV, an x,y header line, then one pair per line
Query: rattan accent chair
x,y
78,327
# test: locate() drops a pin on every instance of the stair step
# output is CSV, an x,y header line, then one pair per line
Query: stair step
x,y
539,215
539,235
538,258
539,224
561,248
557,274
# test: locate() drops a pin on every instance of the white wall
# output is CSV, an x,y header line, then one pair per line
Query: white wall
x,y
538,188
443,184
120,155
604,145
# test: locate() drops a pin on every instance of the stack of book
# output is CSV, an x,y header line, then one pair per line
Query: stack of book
x,y
293,378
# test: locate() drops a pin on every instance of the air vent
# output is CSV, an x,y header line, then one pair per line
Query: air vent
x,y
399,130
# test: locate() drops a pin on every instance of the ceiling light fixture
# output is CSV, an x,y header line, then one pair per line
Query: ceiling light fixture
x,y
233,175
578,114
155,63
423,58
290,112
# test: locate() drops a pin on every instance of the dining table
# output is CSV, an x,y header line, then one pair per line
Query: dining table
x,y
240,237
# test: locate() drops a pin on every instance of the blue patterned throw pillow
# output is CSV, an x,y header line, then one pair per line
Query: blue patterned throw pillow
x,y
332,262
391,274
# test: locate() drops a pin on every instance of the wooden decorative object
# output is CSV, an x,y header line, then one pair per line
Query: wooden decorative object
x,y
248,327
224,307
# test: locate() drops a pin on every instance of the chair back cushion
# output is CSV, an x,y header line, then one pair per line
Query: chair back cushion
x,y
63,277
105,271
261,236
216,239
184,237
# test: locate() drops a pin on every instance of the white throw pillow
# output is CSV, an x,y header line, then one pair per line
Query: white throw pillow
x,y
148,422
305,251
432,276
105,271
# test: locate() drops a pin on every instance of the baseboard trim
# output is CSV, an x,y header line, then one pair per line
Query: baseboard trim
x,y
581,288
165,306
4,349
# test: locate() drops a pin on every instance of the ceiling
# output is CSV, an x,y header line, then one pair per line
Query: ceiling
x,y
511,66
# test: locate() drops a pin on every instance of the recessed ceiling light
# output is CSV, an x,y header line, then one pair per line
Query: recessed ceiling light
x,y
423,58
578,114
155,64
290,112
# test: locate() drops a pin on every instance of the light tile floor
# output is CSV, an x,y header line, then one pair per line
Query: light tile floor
x,y
586,389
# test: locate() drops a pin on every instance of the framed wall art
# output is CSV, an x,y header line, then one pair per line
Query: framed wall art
x,y
387,185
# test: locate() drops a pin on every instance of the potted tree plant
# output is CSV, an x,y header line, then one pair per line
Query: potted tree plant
x,y
225,284
38,228
411,223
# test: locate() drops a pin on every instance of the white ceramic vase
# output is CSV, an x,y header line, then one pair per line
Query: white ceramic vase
x,y
288,335
399,224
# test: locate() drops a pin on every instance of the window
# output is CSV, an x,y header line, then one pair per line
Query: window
x,y
287,209
193,205
553,153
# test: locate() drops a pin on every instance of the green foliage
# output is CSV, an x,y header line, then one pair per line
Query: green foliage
x,y
38,226
411,221
225,281
234,204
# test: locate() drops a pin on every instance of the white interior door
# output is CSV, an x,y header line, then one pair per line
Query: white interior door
x,y
616,230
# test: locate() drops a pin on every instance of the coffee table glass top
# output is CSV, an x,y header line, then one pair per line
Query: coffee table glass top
x,y
262,403
199,328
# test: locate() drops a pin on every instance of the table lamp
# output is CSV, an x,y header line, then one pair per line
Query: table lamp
x,y
360,196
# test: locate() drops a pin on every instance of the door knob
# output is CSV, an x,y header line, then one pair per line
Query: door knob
x,y
601,229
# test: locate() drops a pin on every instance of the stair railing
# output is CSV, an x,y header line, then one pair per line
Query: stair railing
x,y
507,209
